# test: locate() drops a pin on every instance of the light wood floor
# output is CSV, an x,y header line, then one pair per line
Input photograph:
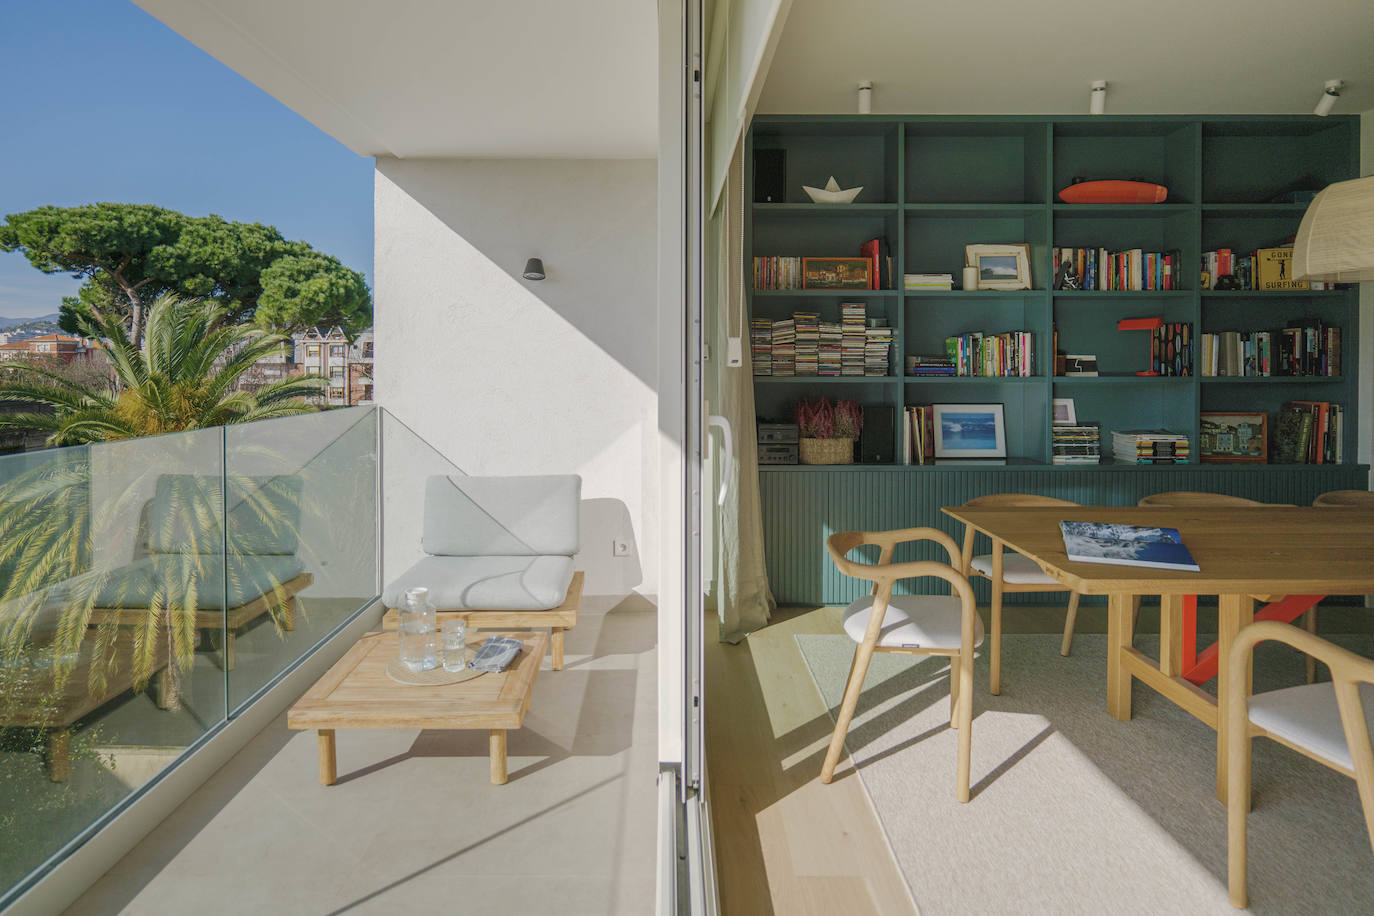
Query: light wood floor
x,y
785,843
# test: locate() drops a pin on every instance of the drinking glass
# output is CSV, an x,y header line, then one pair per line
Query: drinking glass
x,y
455,643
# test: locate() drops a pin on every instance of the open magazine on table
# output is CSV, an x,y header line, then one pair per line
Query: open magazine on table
x,y
1126,545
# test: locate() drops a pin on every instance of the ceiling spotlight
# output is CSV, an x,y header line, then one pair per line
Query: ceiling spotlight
x,y
1330,92
1097,100
534,269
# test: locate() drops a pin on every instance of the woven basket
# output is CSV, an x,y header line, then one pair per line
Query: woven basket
x,y
826,451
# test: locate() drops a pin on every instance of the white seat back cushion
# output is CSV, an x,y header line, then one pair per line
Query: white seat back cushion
x,y
502,516
1307,716
1016,569
913,622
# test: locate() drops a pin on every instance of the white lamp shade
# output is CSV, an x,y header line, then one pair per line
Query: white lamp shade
x,y
1335,242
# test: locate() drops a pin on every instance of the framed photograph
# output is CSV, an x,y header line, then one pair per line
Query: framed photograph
x,y
836,273
1000,266
1063,413
1235,436
970,431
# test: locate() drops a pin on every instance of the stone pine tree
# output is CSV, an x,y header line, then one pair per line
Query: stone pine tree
x,y
130,254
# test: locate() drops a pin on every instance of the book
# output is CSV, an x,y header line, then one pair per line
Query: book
x,y
1126,545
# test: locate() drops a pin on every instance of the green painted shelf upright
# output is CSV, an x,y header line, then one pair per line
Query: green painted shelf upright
x,y
933,184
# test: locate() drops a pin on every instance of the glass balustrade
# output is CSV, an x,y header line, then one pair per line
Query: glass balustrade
x,y
151,588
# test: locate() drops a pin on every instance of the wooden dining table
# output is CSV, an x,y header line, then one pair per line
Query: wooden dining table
x,y
1244,553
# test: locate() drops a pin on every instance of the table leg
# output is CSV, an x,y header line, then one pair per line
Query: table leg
x,y
1119,614
1234,612
1171,635
329,769
498,756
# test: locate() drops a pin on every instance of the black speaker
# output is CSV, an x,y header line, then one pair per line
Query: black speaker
x,y
876,441
770,176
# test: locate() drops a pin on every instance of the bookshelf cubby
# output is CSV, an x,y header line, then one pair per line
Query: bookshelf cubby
x,y
933,184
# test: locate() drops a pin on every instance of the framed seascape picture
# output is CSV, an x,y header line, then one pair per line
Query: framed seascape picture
x,y
836,273
1000,266
970,431
1235,436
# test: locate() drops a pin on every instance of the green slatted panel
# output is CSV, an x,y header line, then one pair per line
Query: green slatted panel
x,y
801,507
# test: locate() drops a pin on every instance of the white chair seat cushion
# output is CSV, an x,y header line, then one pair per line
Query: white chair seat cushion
x,y
1308,717
913,622
1016,569
487,583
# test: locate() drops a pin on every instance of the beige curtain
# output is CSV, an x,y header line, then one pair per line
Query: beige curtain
x,y
744,601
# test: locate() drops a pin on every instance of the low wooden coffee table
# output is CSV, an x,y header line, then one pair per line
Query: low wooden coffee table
x,y
358,693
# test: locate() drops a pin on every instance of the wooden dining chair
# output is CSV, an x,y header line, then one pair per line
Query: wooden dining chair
x,y
1328,722
946,625
1013,573
1358,499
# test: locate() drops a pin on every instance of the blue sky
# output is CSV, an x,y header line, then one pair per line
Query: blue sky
x,y
101,102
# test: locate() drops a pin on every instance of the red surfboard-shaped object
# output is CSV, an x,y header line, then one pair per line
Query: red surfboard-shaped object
x,y
1114,192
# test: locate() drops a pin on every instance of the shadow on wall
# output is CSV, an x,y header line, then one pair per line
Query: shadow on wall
x,y
604,524
592,221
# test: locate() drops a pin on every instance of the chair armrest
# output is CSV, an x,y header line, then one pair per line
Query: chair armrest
x,y
840,543
1344,664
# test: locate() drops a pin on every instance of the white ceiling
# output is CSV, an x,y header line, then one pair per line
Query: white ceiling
x,y
450,78
1015,57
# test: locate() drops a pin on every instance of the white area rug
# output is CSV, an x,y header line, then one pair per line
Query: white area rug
x,y
1075,812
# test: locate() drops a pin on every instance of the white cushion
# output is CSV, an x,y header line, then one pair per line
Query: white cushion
x,y
1016,569
502,516
486,583
1308,717
913,622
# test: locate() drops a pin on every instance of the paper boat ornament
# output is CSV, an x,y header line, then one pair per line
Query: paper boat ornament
x,y
831,193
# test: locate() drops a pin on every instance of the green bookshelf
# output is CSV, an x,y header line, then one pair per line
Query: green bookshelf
x,y
933,184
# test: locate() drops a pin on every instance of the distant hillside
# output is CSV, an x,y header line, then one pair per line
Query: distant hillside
x,y
7,323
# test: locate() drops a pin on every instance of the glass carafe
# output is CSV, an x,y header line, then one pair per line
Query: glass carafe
x,y
418,633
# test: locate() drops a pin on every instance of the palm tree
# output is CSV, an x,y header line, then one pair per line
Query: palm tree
x,y
184,378
55,516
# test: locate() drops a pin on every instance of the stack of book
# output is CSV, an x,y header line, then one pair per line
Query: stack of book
x,y
831,348
877,343
785,347
1150,446
993,355
918,435
1310,432
928,366
777,273
927,281
853,324
1307,348
808,326
1076,444
1131,269
761,345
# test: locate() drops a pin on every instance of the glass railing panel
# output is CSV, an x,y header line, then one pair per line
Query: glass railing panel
x,y
108,666
408,462
302,537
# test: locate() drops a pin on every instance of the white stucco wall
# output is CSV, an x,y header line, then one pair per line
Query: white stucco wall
x,y
508,376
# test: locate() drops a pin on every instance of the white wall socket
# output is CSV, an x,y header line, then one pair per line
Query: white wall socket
x,y
620,548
